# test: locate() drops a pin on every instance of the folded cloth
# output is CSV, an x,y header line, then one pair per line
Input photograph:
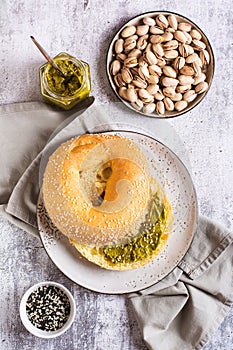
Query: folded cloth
x,y
179,312
184,309
25,129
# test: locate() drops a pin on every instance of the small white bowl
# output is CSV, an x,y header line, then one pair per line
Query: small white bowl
x,y
42,333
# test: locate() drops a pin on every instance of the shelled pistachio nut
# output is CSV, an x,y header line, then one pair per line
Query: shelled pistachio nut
x,y
138,104
169,104
131,94
180,105
128,31
160,107
172,21
142,29
189,96
149,108
169,72
201,87
149,21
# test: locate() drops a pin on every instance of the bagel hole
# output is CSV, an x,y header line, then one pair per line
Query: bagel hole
x,y
107,172
102,176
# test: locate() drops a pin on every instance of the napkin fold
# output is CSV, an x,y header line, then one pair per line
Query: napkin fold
x,y
25,129
186,307
179,312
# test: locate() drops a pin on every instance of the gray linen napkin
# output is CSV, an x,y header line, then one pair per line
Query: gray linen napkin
x,y
184,309
25,128
179,312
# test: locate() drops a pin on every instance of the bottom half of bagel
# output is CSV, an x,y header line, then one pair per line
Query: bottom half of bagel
x,y
137,250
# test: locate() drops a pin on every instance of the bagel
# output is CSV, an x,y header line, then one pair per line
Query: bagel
x,y
72,186
98,191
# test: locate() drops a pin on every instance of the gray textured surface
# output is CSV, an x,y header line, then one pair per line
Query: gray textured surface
x,y
84,28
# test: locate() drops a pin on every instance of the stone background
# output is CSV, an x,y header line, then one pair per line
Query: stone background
x,y
84,28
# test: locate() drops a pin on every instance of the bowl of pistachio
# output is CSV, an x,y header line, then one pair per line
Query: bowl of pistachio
x,y
160,64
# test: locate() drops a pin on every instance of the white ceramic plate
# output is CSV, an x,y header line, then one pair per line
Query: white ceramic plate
x,y
167,168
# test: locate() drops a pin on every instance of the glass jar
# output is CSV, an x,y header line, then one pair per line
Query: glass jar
x,y
69,89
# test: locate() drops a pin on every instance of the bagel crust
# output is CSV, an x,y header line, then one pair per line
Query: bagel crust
x,y
96,188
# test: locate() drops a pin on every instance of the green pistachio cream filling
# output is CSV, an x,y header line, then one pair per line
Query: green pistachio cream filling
x,y
142,246
66,85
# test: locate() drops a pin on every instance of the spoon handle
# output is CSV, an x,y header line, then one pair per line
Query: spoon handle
x,y
46,55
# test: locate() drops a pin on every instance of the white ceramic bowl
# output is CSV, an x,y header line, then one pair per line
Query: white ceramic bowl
x,y
138,20
42,333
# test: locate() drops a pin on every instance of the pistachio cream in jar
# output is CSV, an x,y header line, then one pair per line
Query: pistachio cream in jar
x,y
67,89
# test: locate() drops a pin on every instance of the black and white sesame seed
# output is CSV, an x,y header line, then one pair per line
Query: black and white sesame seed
x,y
48,308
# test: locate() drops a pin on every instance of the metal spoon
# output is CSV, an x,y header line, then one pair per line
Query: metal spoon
x,y
48,58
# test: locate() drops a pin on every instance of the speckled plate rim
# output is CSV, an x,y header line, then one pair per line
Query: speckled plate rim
x,y
110,55
71,250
